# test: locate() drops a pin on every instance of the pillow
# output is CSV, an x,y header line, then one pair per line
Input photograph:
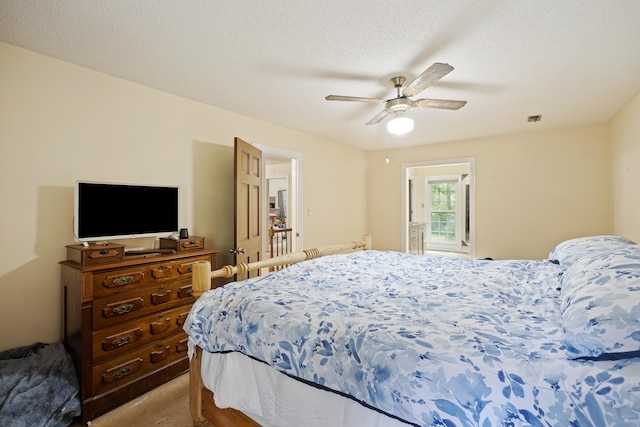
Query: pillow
x,y
600,308
567,252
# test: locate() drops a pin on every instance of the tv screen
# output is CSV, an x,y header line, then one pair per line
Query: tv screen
x,y
111,210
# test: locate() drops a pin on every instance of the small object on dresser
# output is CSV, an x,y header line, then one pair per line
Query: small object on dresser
x,y
184,233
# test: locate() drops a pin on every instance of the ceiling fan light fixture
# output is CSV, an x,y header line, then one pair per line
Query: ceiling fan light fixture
x,y
400,125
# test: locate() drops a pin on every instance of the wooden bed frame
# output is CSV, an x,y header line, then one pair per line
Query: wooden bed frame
x,y
203,410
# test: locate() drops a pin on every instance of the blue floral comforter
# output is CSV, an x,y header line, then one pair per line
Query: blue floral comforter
x,y
432,341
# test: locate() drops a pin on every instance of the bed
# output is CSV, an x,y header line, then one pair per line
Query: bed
x,y
378,338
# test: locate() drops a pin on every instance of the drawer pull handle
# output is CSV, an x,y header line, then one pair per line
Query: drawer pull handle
x,y
192,244
161,298
127,337
124,280
127,279
185,268
181,318
121,371
159,327
103,253
160,355
122,307
162,271
182,346
185,292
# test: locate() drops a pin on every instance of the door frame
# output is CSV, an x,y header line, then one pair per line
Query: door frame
x,y
295,188
406,168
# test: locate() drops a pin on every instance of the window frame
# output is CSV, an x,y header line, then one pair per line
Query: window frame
x,y
456,245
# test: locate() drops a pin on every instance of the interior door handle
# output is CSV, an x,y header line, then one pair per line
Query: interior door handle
x,y
236,251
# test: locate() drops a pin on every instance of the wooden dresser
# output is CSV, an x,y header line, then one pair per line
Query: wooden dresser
x,y
123,318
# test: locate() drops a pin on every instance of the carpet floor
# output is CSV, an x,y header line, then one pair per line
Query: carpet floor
x,y
166,405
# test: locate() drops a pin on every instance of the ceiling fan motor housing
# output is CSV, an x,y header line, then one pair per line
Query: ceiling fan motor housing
x,y
399,104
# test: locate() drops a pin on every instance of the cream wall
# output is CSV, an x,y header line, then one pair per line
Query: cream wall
x,y
532,190
60,123
625,136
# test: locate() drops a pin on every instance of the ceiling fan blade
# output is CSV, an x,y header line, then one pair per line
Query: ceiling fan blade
x,y
430,75
445,104
378,118
353,98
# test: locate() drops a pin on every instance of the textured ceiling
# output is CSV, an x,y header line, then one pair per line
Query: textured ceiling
x,y
575,62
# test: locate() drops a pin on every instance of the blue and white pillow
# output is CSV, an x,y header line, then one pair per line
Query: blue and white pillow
x,y
569,251
601,304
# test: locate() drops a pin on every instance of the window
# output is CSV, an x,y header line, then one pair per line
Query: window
x,y
443,213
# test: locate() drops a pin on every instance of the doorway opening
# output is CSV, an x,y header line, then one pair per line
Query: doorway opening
x,y
282,198
439,207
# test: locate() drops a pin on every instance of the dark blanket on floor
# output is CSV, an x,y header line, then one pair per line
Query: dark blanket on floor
x,y
38,386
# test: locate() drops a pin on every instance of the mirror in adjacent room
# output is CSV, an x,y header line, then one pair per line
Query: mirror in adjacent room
x,y
277,190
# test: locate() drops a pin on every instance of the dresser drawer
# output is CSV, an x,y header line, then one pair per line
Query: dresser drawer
x,y
131,366
112,282
124,337
114,309
192,243
95,254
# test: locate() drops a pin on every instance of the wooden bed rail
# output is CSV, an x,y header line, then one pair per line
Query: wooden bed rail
x,y
202,274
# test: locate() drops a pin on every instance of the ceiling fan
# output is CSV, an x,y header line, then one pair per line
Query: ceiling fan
x,y
402,103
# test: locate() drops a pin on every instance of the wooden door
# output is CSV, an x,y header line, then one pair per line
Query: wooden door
x,y
248,201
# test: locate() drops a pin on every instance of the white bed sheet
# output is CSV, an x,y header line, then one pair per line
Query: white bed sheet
x,y
274,399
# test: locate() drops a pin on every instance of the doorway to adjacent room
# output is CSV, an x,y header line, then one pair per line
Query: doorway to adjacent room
x,y
282,195
439,207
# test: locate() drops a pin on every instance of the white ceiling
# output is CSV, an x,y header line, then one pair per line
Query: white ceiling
x,y
575,62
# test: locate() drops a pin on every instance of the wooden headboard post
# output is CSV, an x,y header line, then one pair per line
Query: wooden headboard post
x,y
202,274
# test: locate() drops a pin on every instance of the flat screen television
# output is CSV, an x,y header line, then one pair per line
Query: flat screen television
x,y
106,210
